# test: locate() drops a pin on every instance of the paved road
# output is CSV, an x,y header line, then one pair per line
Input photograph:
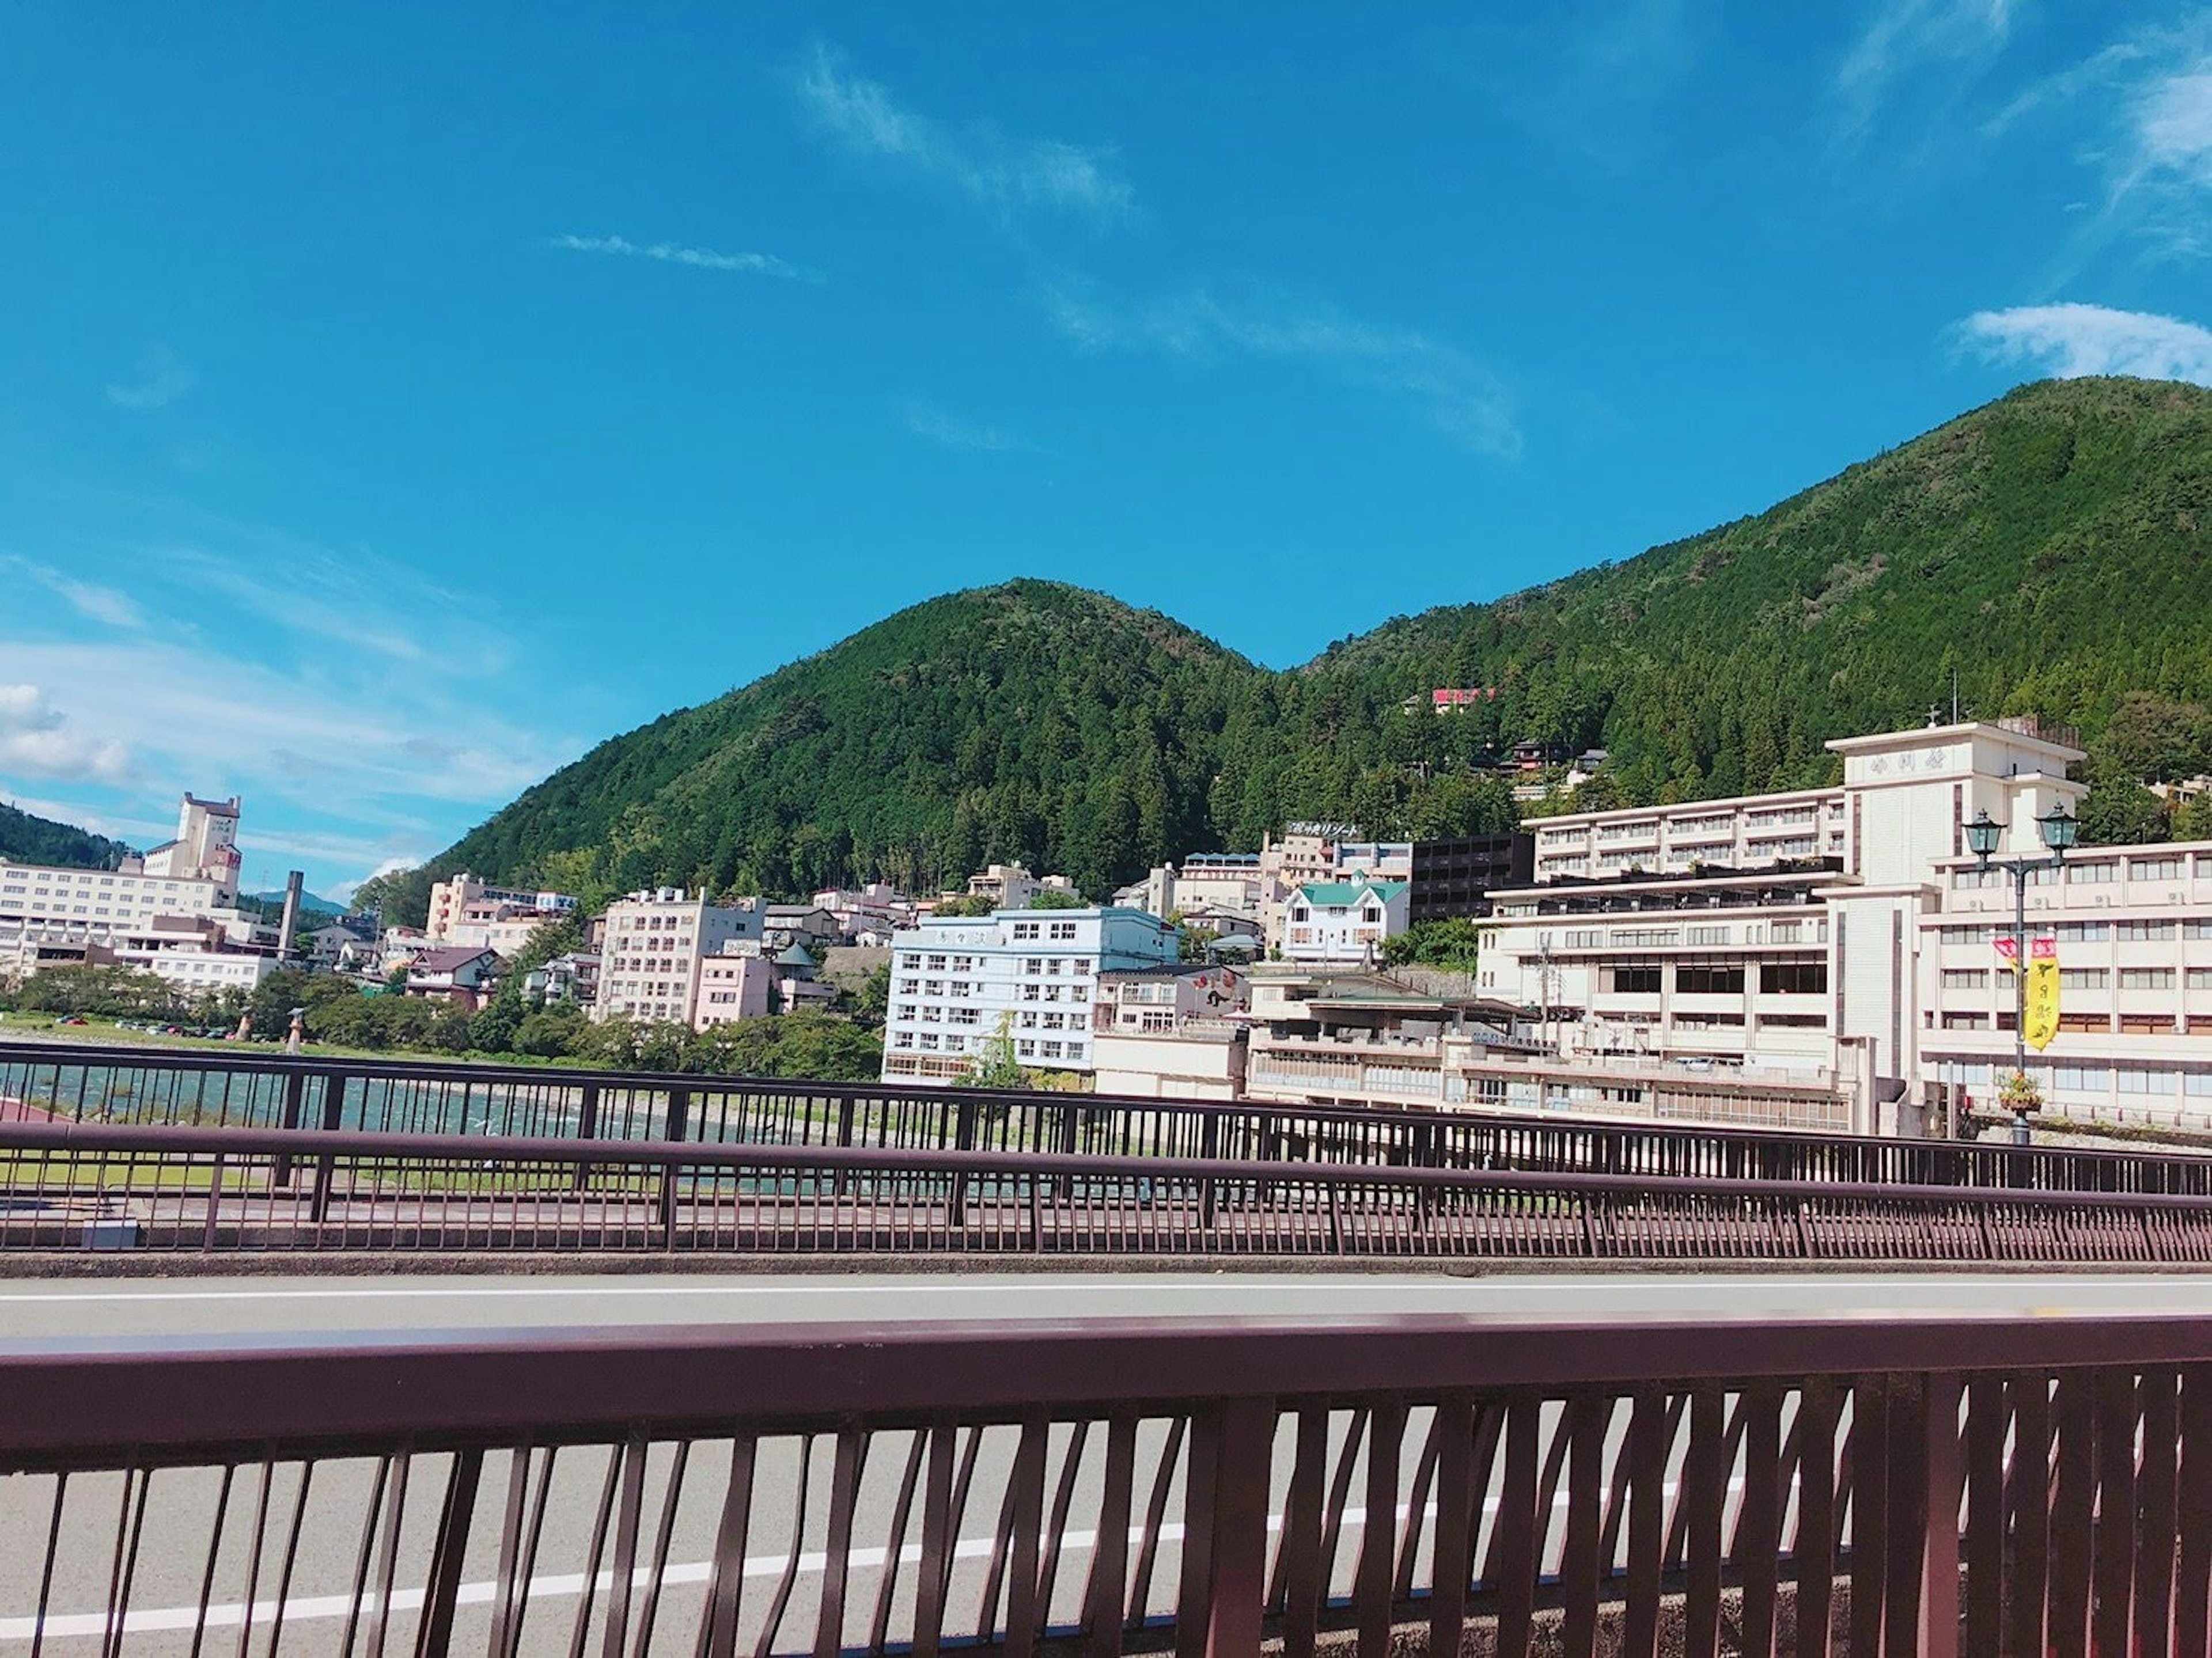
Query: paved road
x,y
189,1509
61,1308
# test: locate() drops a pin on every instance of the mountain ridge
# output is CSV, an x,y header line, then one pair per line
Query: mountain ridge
x,y
2050,548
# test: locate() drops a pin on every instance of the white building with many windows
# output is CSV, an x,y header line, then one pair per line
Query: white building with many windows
x,y
654,946
959,982
1713,938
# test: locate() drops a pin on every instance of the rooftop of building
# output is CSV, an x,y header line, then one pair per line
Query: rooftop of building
x,y
1335,894
2018,730
447,958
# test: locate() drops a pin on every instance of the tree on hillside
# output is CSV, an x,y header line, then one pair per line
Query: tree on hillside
x,y
2119,810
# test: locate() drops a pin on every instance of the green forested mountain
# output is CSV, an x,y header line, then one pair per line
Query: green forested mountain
x,y
2051,549
41,840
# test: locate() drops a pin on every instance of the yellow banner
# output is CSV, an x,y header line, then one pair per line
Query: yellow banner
x,y
2041,1022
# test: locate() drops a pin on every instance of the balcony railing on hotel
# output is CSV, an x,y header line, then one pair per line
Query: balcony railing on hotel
x,y
1915,1483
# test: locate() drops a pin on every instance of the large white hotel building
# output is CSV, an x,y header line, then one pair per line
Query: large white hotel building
x,y
959,983
1846,932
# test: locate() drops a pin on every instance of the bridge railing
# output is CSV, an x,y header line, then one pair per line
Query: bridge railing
x,y
66,1187
1913,1484
47,1081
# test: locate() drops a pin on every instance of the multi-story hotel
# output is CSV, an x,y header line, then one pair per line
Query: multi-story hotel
x,y
179,899
655,944
960,983
1847,934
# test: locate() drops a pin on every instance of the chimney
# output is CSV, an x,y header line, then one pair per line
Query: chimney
x,y
292,884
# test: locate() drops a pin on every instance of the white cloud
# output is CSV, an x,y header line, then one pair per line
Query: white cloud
x,y
2073,340
2139,111
107,605
1461,397
202,719
1005,175
162,379
37,740
1906,38
700,259
926,421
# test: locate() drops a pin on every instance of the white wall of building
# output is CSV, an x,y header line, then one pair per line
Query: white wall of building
x,y
958,982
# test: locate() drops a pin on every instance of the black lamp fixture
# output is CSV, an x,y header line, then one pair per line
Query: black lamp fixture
x,y
1982,835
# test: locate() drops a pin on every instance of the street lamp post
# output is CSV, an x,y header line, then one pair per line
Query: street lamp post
x,y
2059,830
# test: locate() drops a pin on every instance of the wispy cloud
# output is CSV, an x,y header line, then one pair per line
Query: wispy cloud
x,y
162,378
1904,38
1459,395
104,604
37,739
699,259
926,421
1003,175
2139,111
2070,341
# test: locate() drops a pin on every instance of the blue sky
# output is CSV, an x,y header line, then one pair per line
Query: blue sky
x,y
396,400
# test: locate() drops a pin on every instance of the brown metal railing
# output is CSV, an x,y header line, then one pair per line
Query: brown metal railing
x,y
222,1190
49,1081
1978,1484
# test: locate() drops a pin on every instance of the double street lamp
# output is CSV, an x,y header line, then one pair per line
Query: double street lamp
x,y
2059,831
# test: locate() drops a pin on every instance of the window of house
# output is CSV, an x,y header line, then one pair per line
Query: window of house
x,y
2083,978
1635,980
2146,978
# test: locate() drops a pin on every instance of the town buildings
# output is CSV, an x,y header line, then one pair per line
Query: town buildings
x,y
1030,976
655,944
460,973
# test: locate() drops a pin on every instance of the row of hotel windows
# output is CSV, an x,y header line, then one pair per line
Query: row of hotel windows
x,y
2096,871
2079,932
1028,1018
2086,978
1771,933
1050,966
1030,993
1692,979
1024,931
1029,1049
2090,1078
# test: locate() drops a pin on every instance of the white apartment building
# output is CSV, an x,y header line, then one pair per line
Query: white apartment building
x,y
958,982
1871,957
1344,921
654,944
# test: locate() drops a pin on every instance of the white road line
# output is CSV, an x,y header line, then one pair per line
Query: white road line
x,y
1549,1288
230,1614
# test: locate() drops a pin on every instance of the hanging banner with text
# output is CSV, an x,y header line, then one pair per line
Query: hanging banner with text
x,y
2040,1023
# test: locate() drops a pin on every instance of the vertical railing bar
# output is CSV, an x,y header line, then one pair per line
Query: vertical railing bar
x,y
717,1624
664,1539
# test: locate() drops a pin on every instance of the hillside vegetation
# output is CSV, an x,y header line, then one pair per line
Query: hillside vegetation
x,y
31,839
2050,549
